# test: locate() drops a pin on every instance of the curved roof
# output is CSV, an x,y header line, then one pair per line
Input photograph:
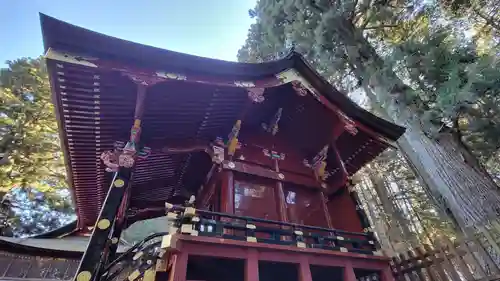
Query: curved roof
x,y
70,247
63,36
96,104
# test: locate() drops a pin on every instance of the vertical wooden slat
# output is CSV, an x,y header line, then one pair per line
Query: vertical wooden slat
x,y
280,196
458,258
227,193
427,263
450,269
470,235
475,262
305,270
179,270
349,274
437,261
490,239
417,264
252,265
398,269
409,265
324,207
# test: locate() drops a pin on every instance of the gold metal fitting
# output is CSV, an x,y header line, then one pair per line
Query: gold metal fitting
x,y
103,224
189,212
134,275
186,228
251,239
84,276
251,226
301,245
167,241
298,232
172,215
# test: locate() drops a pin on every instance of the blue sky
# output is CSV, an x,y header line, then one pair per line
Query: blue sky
x,y
210,28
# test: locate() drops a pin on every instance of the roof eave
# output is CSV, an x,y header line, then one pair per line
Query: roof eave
x,y
384,128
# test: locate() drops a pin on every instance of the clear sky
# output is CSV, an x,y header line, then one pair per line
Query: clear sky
x,y
210,28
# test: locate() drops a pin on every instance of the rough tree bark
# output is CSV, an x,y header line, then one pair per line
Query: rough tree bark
x,y
470,195
396,220
381,225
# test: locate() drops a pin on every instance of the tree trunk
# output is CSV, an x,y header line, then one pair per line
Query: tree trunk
x,y
471,197
396,220
379,223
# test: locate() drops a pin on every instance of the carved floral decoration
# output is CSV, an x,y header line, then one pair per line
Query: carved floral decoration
x,y
319,164
349,124
299,89
173,76
141,78
256,94
273,154
218,154
244,84
273,126
124,155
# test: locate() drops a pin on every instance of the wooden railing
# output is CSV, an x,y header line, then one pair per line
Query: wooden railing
x,y
206,223
444,261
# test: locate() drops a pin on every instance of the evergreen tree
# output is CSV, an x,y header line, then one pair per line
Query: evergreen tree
x,y
355,39
29,144
32,174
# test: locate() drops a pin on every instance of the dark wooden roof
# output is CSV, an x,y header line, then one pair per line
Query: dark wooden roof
x,y
67,247
95,101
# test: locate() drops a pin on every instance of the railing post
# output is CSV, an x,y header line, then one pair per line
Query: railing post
x,y
436,260
458,258
252,265
349,274
448,265
179,270
305,270
250,232
427,263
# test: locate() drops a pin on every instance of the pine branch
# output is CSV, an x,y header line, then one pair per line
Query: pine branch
x,y
380,26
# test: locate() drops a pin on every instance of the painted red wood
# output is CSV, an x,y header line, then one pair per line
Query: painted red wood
x,y
255,197
218,247
325,210
227,192
280,196
208,190
254,143
206,246
265,172
252,265
180,267
343,213
280,202
305,206
304,269
349,272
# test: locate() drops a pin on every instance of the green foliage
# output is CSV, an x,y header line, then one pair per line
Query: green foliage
x,y
28,212
32,172
416,55
411,199
29,141
459,87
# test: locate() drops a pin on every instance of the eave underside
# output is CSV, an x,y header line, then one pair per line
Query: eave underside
x,y
96,108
